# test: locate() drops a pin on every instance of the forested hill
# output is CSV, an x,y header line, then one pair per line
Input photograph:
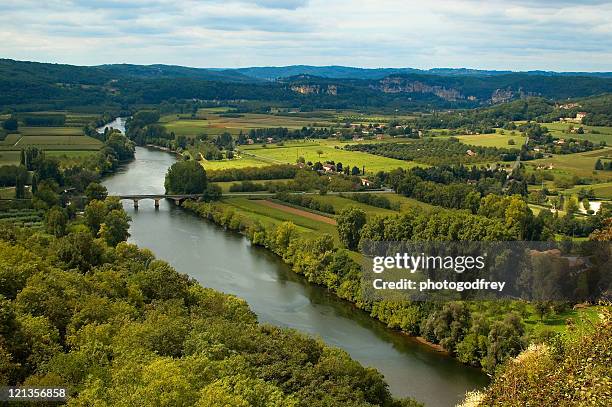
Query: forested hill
x,y
174,71
41,86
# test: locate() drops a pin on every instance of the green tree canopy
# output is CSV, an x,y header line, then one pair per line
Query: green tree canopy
x,y
97,191
350,221
185,177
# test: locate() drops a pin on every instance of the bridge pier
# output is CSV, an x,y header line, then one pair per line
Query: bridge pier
x,y
156,203
136,203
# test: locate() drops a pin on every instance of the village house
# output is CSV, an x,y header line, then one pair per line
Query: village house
x,y
580,116
366,182
329,167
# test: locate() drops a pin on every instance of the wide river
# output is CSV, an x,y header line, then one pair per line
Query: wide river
x,y
227,262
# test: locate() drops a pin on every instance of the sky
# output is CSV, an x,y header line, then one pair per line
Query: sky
x,y
496,34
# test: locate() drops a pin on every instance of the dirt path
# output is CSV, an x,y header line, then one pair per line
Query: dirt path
x,y
299,212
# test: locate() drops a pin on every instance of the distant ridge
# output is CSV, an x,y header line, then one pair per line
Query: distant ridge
x,y
45,86
347,72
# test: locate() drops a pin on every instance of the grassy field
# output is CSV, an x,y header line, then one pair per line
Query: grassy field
x,y
580,164
330,149
51,131
58,142
494,140
65,138
9,157
559,129
582,319
272,216
212,122
237,162
603,190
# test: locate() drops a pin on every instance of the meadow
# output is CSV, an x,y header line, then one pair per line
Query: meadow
x,y
66,142
595,134
494,140
331,150
268,216
9,157
579,164
214,122
603,190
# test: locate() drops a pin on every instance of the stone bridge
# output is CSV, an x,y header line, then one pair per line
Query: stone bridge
x,y
178,199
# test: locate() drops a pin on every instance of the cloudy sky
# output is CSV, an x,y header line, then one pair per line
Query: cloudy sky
x,y
557,35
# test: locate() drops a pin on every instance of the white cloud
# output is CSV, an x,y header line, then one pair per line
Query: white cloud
x,y
511,34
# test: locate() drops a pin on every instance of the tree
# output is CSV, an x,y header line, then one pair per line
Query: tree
x,y
20,186
56,221
95,212
571,205
599,165
46,196
185,177
511,142
212,192
97,191
350,221
115,227
319,153
10,124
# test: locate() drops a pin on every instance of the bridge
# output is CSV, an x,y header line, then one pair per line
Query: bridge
x,y
180,198
177,198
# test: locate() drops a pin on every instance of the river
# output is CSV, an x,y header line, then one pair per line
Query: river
x,y
118,124
227,262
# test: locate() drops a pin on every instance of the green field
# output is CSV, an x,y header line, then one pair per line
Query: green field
x,y
271,216
9,157
494,140
579,164
582,318
65,138
50,131
603,190
55,142
213,123
559,129
331,151
237,162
